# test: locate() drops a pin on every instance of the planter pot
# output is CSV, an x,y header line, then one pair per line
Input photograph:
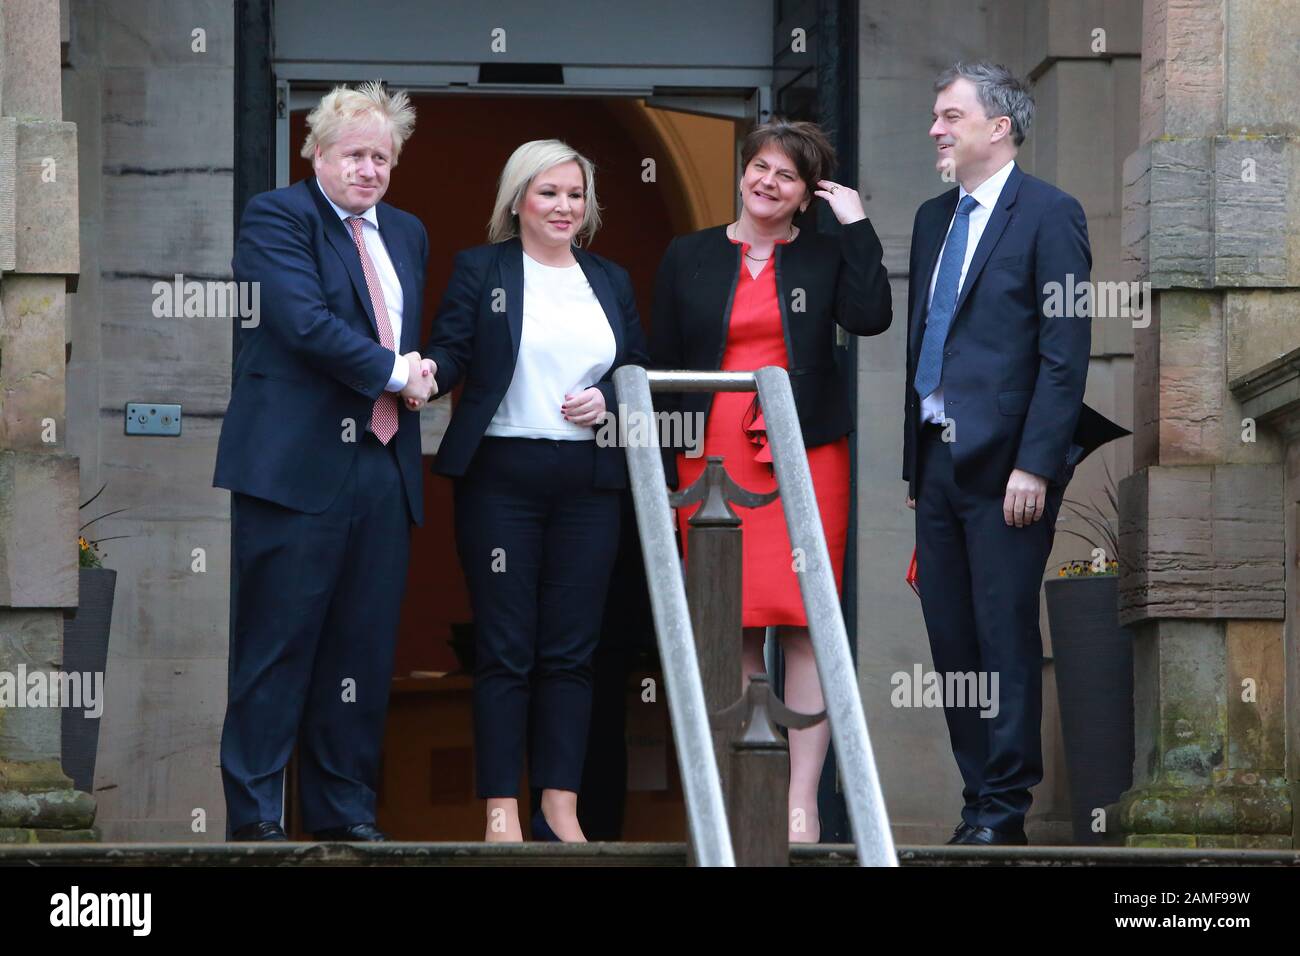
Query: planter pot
x,y
85,651
1094,680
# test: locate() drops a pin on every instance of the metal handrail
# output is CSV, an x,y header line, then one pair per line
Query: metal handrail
x,y
706,817
705,814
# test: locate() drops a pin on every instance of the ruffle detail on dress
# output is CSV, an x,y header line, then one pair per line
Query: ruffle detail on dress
x,y
756,432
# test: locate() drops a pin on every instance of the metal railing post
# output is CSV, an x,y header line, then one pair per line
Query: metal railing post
x,y
713,594
705,814
699,770
821,601
752,757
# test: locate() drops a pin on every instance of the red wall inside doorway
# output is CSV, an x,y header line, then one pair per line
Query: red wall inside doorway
x,y
447,176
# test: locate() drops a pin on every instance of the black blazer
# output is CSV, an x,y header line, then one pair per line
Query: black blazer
x,y
314,358
821,280
469,343
1013,377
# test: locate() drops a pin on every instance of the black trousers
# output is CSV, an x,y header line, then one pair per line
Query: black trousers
x,y
979,581
537,543
317,602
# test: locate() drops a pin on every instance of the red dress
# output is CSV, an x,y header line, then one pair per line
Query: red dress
x,y
755,339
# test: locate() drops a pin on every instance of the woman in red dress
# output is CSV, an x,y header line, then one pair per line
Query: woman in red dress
x,y
759,292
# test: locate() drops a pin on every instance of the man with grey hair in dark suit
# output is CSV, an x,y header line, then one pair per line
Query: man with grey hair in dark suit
x,y
995,423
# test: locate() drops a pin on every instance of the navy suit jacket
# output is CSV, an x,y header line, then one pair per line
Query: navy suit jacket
x,y
1013,376
470,344
313,361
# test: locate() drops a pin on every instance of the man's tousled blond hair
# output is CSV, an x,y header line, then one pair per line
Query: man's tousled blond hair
x,y
343,105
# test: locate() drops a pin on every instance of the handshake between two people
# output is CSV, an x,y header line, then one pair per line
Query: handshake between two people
x,y
587,407
421,385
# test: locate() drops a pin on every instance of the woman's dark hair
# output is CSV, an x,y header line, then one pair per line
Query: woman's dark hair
x,y
805,143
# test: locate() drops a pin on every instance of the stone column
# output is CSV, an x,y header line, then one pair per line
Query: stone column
x,y
38,479
1212,208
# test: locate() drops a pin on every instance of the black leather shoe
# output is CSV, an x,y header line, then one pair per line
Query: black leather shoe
x,y
961,830
987,836
356,833
261,830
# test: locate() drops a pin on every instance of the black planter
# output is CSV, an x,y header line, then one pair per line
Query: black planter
x,y
85,651
1094,682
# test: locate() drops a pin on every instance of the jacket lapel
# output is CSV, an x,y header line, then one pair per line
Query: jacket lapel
x,y
510,266
600,285
998,220
337,234
719,257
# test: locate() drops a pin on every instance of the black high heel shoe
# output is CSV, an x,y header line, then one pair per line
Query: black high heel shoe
x,y
542,830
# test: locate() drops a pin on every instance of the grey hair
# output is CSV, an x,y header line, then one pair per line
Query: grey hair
x,y
1000,92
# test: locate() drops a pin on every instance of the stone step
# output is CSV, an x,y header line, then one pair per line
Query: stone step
x,y
397,853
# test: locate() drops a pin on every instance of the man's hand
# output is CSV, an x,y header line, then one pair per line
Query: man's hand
x,y
911,503
419,381
1026,498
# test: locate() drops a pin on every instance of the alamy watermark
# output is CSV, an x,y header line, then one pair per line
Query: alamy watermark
x,y
74,908
1098,300
922,688
631,428
192,299
79,690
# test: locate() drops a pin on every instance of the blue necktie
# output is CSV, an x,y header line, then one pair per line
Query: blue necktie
x,y
929,367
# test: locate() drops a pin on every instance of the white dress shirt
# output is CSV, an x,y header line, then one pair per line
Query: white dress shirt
x,y
387,281
566,345
986,194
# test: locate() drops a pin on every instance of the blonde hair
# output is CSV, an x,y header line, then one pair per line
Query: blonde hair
x,y
524,165
342,105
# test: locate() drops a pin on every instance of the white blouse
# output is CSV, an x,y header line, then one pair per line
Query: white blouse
x,y
565,346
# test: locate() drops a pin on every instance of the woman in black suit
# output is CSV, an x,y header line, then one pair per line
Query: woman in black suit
x,y
761,291
535,326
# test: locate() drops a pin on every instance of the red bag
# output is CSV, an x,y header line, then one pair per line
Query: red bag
x,y
911,574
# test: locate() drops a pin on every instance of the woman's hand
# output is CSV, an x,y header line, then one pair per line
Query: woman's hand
x,y
585,408
428,369
844,202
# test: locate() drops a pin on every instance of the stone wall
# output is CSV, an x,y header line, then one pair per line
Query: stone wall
x,y
156,164
1211,200
39,262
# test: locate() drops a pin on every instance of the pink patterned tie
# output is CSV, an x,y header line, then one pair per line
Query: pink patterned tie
x,y
383,419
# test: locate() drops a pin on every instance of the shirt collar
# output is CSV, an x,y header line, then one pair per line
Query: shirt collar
x,y
987,192
369,215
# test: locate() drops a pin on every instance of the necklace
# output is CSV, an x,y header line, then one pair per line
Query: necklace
x,y
735,235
